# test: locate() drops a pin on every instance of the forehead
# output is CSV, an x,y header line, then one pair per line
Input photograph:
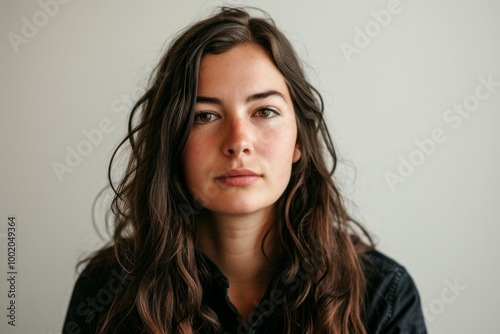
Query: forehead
x,y
244,67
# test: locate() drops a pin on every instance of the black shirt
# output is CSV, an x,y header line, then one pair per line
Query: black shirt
x,y
392,303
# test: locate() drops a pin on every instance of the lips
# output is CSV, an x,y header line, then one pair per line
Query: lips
x,y
238,177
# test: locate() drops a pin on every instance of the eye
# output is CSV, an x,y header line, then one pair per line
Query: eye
x,y
204,117
266,112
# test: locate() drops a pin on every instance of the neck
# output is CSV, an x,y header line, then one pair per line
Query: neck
x,y
234,244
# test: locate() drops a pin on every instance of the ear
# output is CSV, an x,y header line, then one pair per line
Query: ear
x,y
297,153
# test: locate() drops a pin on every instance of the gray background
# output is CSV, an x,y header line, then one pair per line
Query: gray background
x,y
88,60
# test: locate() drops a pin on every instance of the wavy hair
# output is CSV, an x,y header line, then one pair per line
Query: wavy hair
x,y
155,236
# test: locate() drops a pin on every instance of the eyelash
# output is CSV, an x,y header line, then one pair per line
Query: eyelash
x,y
273,113
197,116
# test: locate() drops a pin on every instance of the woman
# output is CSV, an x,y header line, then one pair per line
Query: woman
x,y
227,218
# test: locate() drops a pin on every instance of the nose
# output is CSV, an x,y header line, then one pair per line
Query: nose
x,y
238,139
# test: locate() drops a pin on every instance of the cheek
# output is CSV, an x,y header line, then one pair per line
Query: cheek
x,y
279,148
192,158
196,144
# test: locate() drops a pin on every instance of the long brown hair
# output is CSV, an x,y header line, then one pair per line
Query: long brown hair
x,y
155,234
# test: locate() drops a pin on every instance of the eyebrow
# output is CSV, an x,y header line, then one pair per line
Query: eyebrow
x,y
251,98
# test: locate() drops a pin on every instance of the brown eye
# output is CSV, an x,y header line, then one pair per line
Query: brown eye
x,y
204,117
266,113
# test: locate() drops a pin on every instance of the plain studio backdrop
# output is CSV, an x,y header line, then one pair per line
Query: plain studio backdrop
x,y
412,97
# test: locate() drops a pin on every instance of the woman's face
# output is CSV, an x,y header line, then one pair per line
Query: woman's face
x,y
239,154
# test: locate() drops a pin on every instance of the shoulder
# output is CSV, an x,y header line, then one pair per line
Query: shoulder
x,y
392,302
94,291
